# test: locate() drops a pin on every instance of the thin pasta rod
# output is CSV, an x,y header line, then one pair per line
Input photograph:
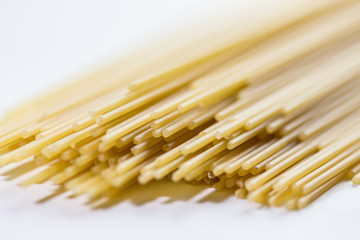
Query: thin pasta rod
x,y
306,113
109,86
218,167
215,161
126,127
298,185
10,138
260,194
73,103
60,145
344,72
353,171
127,164
262,117
337,169
343,128
251,98
15,125
253,64
172,106
238,120
157,123
35,147
179,135
42,160
242,172
261,166
246,136
283,80
103,157
92,146
82,143
237,164
248,164
241,193
78,182
143,100
130,137
230,183
178,141
282,84
307,199
57,128
313,147
69,154
79,124
68,173
348,75
162,171
321,107
107,107
228,157
181,123
280,198
316,162
85,159
234,107
119,180
207,116
356,179
340,126
109,139
93,131
143,82
147,173
146,145
191,175
226,88
235,134
142,111
197,160
311,115
34,129
100,189
332,117
143,136
302,45
213,127
305,14
78,179
236,124
45,174
264,87
172,154
292,159
82,187
280,122
198,143
178,121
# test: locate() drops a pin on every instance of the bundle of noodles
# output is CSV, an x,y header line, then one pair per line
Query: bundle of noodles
x,y
269,109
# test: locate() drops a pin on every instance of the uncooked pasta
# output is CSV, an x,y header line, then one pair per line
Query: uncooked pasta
x,y
270,112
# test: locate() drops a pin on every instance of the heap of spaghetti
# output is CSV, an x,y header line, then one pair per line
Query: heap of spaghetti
x,y
271,111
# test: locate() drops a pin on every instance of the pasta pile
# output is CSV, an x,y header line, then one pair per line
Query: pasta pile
x,y
271,111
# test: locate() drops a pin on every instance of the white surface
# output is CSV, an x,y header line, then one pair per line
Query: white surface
x,y
43,42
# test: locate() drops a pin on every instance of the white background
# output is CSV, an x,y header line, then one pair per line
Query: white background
x,y
44,42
